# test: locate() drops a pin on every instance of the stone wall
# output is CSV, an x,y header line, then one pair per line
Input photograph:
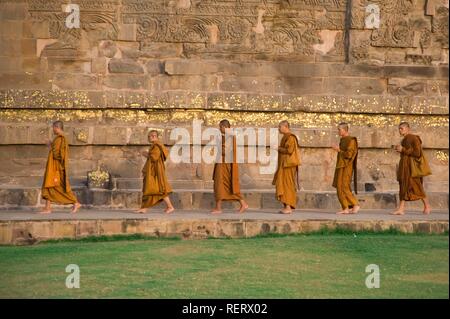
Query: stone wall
x,y
19,232
136,64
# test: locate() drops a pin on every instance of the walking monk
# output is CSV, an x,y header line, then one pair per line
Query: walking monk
x,y
411,188
56,186
226,173
286,175
155,187
347,154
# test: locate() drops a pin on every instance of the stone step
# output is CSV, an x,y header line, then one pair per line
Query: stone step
x,y
28,232
36,181
136,184
204,199
122,183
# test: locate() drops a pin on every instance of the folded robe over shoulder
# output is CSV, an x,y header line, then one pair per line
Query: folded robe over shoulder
x,y
411,188
56,186
155,186
286,178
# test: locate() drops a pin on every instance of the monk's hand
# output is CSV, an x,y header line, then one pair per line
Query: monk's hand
x,y
48,143
144,153
335,147
398,148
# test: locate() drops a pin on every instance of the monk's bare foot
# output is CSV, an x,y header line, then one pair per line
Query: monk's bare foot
x,y
140,211
243,208
75,208
169,210
45,212
343,212
215,211
427,211
355,209
286,211
398,212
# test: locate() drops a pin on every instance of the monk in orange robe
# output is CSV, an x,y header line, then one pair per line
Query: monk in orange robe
x,y
155,187
286,176
411,188
226,173
56,186
347,154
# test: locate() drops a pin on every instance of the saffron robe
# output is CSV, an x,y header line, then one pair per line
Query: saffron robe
x,y
345,169
226,172
411,188
154,167
286,178
56,186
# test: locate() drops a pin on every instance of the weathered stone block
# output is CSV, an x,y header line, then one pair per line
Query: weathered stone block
x,y
100,197
252,84
110,135
181,228
356,86
118,81
188,82
19,197
111,227
125,66
24,81
107,49
68,65
85,228
161,50
231,229
203,229
75,81
126,199
99,65
154,67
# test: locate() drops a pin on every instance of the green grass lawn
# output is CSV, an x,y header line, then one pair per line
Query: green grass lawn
x,y
313,266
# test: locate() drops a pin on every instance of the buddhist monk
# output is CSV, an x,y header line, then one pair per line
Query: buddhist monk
x,y
286,175
226,173
347,154
156,187
56,186
411,188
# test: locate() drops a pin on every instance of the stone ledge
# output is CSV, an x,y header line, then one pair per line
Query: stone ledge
x,y
204,199
31,232
293,69
405,102
136,135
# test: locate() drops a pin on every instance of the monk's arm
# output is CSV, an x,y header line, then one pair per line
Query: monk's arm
x,y
413,151
56,149
290,146
350,151
155,154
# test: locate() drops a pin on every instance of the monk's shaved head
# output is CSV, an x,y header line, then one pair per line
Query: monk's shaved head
x,y
153,131
284,123
403,128
343,126
404,124
225,123
59,124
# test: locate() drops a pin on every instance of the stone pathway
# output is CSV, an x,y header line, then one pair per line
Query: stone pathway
x,y
270,215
